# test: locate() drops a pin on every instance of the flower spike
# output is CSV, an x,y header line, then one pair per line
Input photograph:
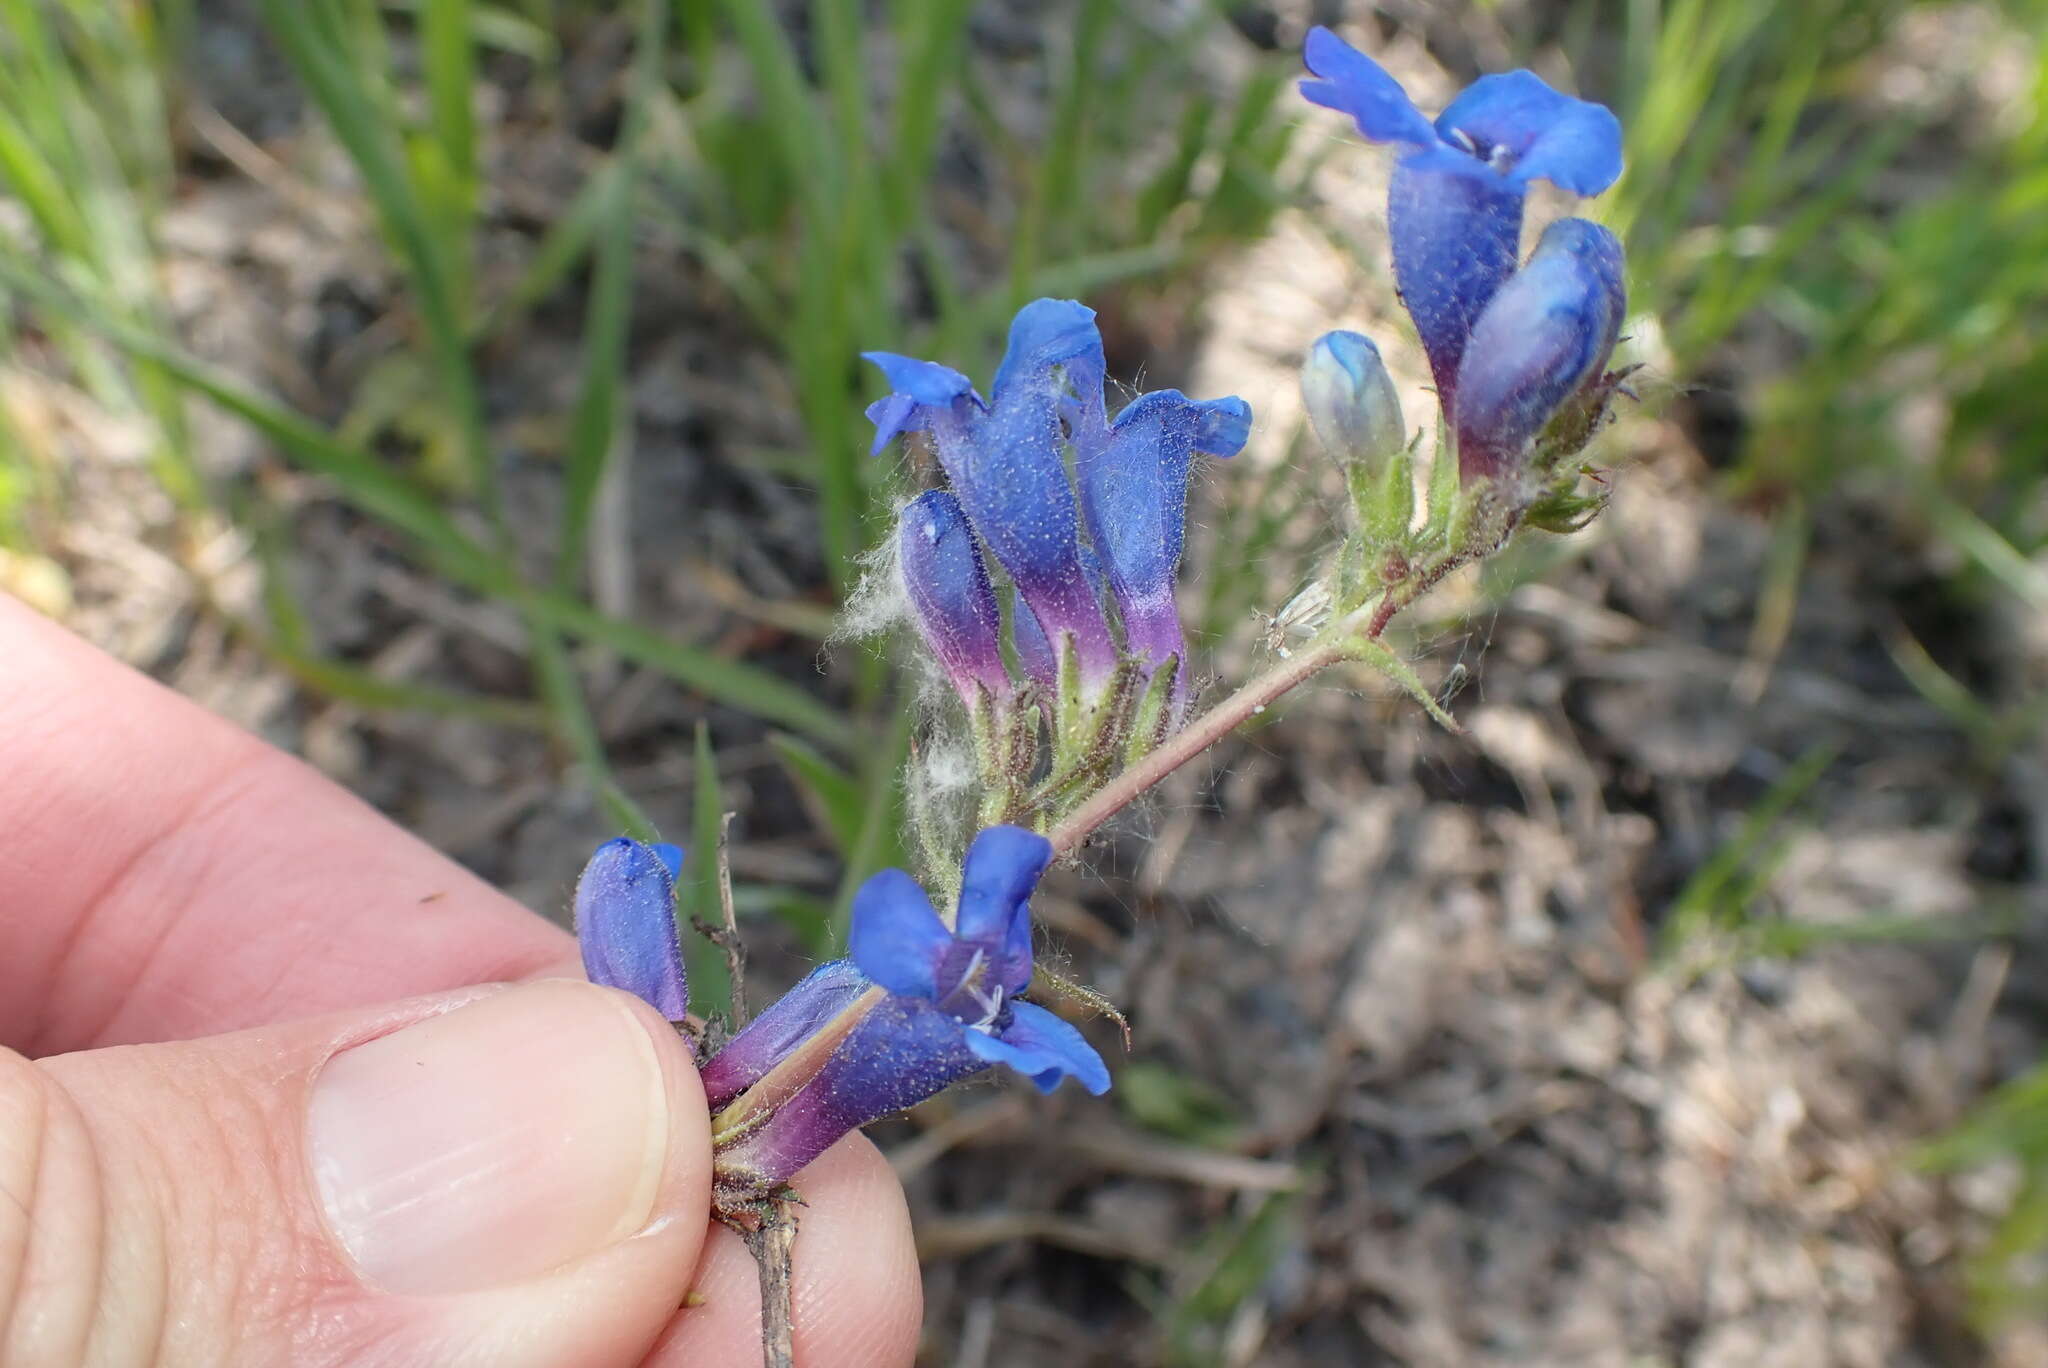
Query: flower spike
x,y
1003,458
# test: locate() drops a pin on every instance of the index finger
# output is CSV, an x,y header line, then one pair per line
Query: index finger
x,y
164,874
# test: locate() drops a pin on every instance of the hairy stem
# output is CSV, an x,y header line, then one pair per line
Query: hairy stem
x,y
770,1242
1183,746
1406,594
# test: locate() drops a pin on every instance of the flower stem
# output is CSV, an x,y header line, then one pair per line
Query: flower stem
x,y
1405,594
1184,745
770,1242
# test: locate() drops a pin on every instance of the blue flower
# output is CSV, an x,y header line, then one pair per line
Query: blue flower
x,y
1547,332
1034,653
1003,457
1454,209
943,1007
1134,492
950,595
785,1024
626,923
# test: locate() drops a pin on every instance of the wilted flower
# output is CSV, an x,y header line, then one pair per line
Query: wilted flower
x,y
626,923
1454,209
944,1007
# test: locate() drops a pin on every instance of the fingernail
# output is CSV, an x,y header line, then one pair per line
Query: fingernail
x,y
492,1144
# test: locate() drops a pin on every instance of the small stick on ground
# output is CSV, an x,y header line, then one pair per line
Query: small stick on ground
x,y
770,1241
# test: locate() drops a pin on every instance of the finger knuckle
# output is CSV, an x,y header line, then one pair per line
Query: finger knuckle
x,y
52,1223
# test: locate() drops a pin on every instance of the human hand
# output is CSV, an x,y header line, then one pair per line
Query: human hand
x,y
378,1163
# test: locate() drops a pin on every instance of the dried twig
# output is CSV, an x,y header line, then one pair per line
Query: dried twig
x,y
727,935
735,949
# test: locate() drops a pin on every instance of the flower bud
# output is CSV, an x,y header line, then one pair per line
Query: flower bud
x,y
626,923
1547,332
1351,400
950,594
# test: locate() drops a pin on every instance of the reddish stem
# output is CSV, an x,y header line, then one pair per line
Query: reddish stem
x,y
1183,746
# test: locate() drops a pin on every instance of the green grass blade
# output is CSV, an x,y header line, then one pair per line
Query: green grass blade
x,y
361,478
390,498
932,35
320,50
593,428
1992,553
594,424
839,800
1055,186
447,29
1718,894
710,980
562,694
801,131
39,187
562,249
346,683
737,685
842,265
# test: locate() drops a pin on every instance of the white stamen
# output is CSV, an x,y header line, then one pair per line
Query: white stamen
x,y
991,1005
990,1002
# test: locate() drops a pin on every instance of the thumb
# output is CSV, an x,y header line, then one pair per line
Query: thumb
x,y
507,1176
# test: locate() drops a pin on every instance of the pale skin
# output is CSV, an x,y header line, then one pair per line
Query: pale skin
x,y
170,883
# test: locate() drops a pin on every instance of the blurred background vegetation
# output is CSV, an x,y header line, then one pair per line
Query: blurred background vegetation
x,y
1839,270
